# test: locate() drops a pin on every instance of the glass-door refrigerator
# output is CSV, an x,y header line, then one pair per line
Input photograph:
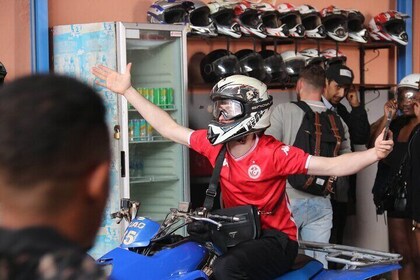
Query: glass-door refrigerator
x,y
145,166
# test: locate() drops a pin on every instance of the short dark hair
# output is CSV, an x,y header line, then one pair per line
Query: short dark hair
x,y
314,75
52,128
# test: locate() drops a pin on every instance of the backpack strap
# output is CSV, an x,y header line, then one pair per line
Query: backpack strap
x,y
336,132
317,151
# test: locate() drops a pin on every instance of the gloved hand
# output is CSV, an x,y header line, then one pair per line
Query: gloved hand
x,y
199,231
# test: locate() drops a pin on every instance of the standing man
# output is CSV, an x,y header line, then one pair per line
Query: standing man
x,y
54,165
312,213
339,84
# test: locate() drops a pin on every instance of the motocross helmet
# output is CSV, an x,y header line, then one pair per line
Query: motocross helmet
x,y
3,73
223,17
357,32
219,64
294,63
389,26
274,67
249,20
333,56
408,90
271,20
200,21
335,22
311,20
169,11
243,100
291,17
252,64
313,56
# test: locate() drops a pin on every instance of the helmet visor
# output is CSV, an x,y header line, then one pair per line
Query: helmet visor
x,y
395,27
229,108
406,95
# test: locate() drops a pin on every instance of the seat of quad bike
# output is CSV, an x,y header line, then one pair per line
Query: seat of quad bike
x,y
304,268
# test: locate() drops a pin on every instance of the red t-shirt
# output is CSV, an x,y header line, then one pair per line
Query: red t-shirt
x,y
258,177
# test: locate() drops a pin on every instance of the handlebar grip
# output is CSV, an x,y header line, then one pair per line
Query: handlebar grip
x,y
223,218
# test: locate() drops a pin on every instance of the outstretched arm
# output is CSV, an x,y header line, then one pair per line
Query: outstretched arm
x,y
350,163
161,121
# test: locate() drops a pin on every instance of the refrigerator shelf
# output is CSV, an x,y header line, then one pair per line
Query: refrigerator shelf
x,y
152,178
153,139
163,107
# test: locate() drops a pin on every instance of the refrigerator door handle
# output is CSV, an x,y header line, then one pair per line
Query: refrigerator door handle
x,y
123,164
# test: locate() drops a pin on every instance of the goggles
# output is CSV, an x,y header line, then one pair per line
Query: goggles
x,y
229,108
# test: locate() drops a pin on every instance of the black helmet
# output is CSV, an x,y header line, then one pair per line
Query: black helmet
x,y
169,12
274,67
252,64
3,73
335,22
294,62
219,64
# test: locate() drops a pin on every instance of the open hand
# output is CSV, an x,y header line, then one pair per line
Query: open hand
x,y
111,79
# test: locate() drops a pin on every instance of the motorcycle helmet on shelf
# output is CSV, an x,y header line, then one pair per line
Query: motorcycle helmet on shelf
x,y
389,26
200,22
274,67
271,20
313,56
311,20
169,11
357,31
294,63
3,73
251,103
333,56
252,64
291,17
219,64
223,17
249,20
335,22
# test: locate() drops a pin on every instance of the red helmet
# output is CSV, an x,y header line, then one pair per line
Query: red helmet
x,y
389,26
249,20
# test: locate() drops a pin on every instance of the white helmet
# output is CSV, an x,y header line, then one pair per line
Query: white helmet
x,y
291,17
200,21
271,20
408,90
357,31
311,20
335,22
294,63
249,20
244,100
333,56
313,56
389,26
223,17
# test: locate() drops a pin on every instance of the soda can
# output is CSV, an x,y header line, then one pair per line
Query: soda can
x,y
170,97
149,132
156,96
162,99
149,94
131,130
136,129
143,129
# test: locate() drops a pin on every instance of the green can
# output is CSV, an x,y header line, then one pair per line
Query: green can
x,y
162,99
170,97
156,96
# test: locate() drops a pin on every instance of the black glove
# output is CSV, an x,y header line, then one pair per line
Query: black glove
x,y
199,231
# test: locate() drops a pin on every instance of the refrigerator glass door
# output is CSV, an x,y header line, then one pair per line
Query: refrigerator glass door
x,y
158,168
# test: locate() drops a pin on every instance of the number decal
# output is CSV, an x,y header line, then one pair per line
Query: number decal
x,y
129,237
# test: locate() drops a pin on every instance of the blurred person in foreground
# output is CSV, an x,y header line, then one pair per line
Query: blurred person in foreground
x,y
255,166
54,165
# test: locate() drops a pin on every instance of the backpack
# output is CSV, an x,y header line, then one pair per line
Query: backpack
x,y
320,134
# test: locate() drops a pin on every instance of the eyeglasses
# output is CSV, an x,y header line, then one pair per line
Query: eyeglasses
x,y
229,108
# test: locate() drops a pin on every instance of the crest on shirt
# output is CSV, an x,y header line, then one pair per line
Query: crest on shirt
x,y
286,150
254,171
